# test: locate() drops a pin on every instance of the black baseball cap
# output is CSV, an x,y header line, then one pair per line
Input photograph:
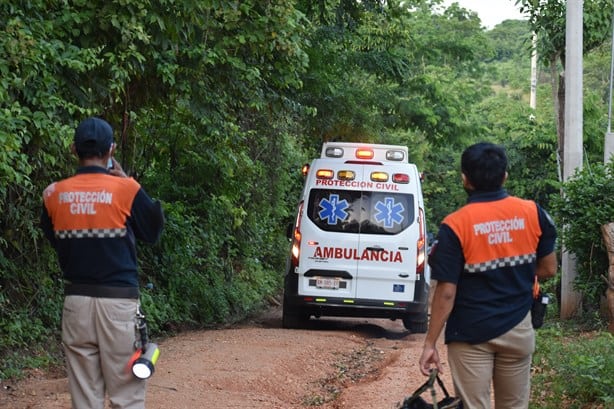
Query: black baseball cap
x,y
93,137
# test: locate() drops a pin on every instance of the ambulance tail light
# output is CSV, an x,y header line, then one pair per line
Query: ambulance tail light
x,y
400,178
364,153
421,245
325,174
305,169
296,236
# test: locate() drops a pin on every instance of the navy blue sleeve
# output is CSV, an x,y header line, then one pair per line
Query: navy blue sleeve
x,y
146,218
47,227
446,258
547,240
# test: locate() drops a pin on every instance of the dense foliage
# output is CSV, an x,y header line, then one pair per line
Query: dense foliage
x,y
216,104
572,371
198,95
585,207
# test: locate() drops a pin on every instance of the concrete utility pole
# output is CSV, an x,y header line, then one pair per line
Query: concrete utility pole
x,y
572,154
608,147
533,102
608,150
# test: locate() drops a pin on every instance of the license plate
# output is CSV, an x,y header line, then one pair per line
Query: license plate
x,y
328,283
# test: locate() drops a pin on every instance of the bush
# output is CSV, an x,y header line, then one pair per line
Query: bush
x,y
193,284
572,370
585,205
31,310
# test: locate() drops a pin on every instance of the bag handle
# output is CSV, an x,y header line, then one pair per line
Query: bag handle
x,y
434,376
430,384
441,385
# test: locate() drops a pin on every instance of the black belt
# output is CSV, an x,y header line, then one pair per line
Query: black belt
x,y
101,291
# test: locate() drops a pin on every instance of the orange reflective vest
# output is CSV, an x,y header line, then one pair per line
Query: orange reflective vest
x,y
501,235
93,220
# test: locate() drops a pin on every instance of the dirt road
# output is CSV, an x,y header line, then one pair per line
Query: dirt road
x,y
335,363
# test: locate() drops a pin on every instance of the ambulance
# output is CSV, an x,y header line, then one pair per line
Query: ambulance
x,y
359,240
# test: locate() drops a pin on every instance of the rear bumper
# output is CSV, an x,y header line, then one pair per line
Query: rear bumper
x,y
354,307
339,307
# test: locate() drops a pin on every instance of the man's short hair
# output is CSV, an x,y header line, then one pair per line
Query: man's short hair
x,y
484,164
93,138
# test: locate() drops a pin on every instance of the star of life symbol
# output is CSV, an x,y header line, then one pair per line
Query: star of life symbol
x,y
333,209
389,212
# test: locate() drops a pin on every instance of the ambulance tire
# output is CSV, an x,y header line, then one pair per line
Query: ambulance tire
x,y
292,317
417,323
416,327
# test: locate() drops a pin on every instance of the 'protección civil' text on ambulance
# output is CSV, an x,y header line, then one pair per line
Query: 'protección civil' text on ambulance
x,y
359,239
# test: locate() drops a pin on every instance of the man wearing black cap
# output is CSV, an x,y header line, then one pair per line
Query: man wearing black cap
x,y
486,259
93,219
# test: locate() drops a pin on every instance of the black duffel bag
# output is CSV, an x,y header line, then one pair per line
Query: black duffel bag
x,y
415,401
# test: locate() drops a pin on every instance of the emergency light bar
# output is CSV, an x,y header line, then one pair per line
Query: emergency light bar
x,y
376,176
353,151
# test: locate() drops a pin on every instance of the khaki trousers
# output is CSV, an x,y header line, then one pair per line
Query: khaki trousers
x,y
98,335
505,360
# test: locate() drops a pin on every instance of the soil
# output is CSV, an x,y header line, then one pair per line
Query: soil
x,y
334,363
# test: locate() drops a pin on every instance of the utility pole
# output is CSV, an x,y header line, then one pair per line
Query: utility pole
x,y
608,147
572,153
533,102
608,150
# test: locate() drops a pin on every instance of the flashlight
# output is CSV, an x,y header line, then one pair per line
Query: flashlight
x,y
144,365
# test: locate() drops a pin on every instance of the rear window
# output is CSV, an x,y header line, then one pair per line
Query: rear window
x,y
353,211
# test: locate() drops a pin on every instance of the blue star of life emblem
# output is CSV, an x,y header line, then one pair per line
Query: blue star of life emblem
x,y
333,209
389,212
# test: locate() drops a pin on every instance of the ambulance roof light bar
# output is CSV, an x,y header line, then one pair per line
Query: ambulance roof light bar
x,y
352,151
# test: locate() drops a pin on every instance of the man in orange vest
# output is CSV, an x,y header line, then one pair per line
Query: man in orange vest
x,y
93,219
485,261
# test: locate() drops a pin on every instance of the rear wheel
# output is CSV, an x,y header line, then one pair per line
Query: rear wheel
x,y
417,323
292,317
416,327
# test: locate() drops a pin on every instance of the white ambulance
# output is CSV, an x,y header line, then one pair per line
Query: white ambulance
x,y
359,240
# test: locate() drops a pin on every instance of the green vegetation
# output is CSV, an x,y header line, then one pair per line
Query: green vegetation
x,y
581,226
572,370
217,104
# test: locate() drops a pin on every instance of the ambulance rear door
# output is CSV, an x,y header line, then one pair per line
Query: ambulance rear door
x,y
330,230
389,233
